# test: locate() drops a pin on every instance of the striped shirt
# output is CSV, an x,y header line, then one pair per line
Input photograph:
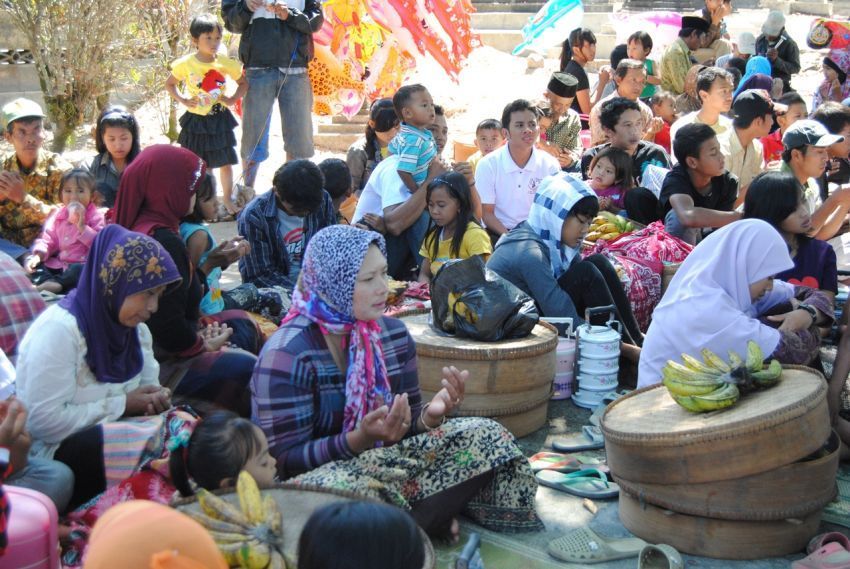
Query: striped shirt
x,y
415,148
20,306
298,393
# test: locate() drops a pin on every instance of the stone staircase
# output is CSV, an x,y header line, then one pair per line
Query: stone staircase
x,y
340,133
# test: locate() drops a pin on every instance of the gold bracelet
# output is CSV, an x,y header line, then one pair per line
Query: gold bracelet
x,y
424,424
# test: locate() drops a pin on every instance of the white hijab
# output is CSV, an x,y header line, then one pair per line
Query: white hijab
x,y
708,303
554,199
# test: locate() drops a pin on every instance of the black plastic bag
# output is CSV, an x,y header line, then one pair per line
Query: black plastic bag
x,y
471,301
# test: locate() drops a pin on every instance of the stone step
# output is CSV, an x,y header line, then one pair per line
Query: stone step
x,y
526,7
338,128
817,8
507,40
599,22
358,119
334,142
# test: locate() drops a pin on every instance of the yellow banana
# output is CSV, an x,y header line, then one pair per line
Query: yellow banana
x,y
721,398
599,220
608,215
608,228
769,376
273,517
250,499
592,236
222,538
610,235
735,360
231,552
214,524
677,370
694,364
687,402
255,555
715,361
755,357
678,387
277,561
220,509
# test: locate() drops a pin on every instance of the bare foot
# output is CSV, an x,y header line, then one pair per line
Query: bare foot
x,y
454,532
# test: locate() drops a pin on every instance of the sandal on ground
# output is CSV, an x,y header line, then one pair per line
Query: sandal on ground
x,y
599,410
590,438
561,462
830,556
585,546
587,483
660,556
822,539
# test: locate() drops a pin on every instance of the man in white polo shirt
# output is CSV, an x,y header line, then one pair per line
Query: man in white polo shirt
x,y
507,178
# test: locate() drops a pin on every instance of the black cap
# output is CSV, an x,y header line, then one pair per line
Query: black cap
x,y
563,84
695,23
752,104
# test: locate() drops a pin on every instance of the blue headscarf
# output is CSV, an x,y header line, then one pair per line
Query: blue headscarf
x,y
757,64
555,198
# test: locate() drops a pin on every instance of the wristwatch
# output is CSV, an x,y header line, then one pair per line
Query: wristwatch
x,y
810,309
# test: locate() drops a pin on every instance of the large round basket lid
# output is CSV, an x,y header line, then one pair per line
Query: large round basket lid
x,y
297,503
650,438
430,342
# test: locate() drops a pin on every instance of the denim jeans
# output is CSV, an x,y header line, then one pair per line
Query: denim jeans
x,y
674,227
295,102
403,250
50,477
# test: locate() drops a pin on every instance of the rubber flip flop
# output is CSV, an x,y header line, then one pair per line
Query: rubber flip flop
x,y
822,539
554,461
600,409
660,556
590,438
584,545
830,556
587,483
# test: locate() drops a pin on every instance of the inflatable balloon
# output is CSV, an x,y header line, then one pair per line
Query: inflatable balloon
x,y
551,25
825,32
662,26
335,90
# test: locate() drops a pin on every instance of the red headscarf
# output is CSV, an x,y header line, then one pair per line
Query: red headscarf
x,y
157,187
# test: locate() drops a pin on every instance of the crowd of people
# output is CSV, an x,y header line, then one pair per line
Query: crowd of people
x,y
142,351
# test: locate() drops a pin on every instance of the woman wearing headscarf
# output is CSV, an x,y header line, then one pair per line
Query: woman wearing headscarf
x,y
542,256
147,535
835,86
756,77
336,392
87,362
155,192
724,295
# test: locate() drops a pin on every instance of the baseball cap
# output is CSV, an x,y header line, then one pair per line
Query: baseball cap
x,y
746,43
754,103
807,132
19,109
774,23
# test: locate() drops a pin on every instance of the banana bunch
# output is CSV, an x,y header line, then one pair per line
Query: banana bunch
x,y
713,384
608,226
249,537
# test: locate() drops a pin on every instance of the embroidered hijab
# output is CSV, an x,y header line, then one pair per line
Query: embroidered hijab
x,y
555,198
325,295
157,187
121,263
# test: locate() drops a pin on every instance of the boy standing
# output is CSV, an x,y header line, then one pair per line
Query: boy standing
x,y
30,177
563,135
663,106
806,156
488,137
414,144
507,178
714,88
772,143
698,193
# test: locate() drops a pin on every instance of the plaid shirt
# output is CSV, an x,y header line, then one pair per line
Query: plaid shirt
x,y
21,222
20,306
298,393
267,264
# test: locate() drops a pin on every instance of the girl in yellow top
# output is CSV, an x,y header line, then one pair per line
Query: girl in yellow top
x,y
453,233
206,128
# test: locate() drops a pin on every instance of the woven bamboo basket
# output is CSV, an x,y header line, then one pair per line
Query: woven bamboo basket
x,y
792,491
297,503
719,539
509,381
650,438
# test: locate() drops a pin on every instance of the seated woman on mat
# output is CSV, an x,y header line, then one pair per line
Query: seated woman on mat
x,y
339,379
88,361
724,295
155,192
542,257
